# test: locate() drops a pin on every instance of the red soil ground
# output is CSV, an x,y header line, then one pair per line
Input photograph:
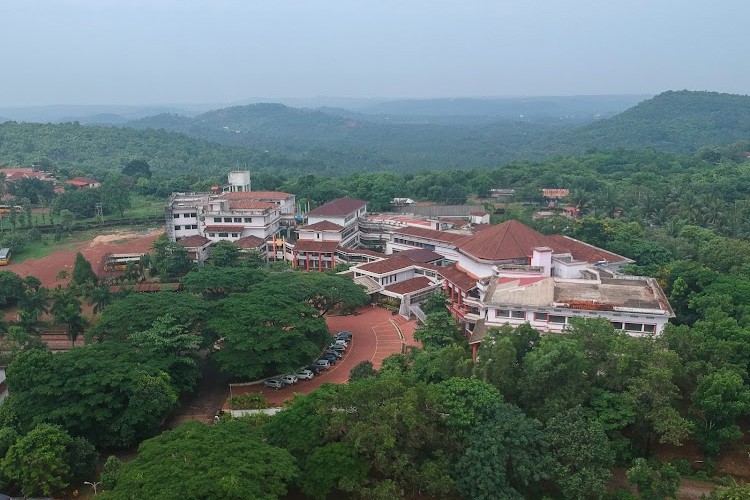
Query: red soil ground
x,y
375,336
46,268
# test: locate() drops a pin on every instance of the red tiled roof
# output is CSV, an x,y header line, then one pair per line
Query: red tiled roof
x,y
387,265
323,225
459,277
17,175
509,240
194,241
582,251
316,246
339,207
410,285
224,229
420,255
82,181
479,214
251,205
256,195
431,234
250,242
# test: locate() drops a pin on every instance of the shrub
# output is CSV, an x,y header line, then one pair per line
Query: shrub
x,y
249,401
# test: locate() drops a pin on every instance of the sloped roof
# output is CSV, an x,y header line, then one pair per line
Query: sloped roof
x,y
459,277
82,181
583,251
250,242
256,195
431,234
316,246
387,265
509,240
410,285
194,241
323,225
251,205
339,207
420,255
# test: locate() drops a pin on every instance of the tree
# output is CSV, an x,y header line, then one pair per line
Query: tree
x,y
100,298
83,459
137,169
170,259
66,310
334,466
363,370
37,462
439,330
109,472
217,282
32,304
35,190
115,193
82,271
719,399
109,393
224,254
11,288
582,454
654,483
265,334
497,364
505,457
228,460
66,219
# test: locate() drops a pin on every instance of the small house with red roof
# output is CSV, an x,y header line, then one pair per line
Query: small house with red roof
x,y
83,183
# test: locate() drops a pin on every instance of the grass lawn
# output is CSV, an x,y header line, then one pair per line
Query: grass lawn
x,y
47,245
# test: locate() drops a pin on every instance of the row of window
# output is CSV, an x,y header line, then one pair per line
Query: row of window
x,y
186,227
562,320
234,219
411,243
224,235
634,327
388,280
177,216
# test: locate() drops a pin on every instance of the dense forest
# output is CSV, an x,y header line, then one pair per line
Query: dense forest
x,y
273,137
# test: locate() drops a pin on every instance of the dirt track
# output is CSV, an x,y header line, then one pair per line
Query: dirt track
x,y
46,268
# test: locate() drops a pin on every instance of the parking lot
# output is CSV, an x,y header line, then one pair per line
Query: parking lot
x,y
374,338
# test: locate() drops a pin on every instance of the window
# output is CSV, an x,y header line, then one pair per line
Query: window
x,y
540,316
617,325
212,235
518,315
235,235
176,216
556,319
248,219
194,226
238,219
223,235
633,327
227,219
502,313
177,228
217,219
194,214
649,328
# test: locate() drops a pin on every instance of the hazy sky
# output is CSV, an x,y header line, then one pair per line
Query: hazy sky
x,y
219,51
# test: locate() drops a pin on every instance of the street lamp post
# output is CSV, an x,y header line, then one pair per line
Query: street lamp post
x,y
94,485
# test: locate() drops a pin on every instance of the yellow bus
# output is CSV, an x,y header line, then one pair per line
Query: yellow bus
x,y
4,256
5,209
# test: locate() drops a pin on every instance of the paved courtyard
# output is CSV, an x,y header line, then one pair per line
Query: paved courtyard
x,y
375,336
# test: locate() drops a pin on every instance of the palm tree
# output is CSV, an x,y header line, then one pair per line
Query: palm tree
x,y
66,310
33,304
100,298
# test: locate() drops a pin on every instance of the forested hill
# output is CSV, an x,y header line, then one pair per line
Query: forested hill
x,y
678,122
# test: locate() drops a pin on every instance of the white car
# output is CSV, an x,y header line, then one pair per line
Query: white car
x,y
324,363
289,379
304,374
342,343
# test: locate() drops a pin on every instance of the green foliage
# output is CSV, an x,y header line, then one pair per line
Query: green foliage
x,y
248,401
581,452
82,271
11,288
334,466
363,369
37,191
224,254
37,462
439,330
170,259
228,460
109,472
83,460
118,320
265,334
214,282
654,483
137,169
108,393
719,399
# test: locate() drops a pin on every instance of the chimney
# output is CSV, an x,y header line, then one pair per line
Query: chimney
x,y
542,257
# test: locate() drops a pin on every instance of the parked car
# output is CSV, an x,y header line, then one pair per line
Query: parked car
x,y
305,374
275,383
338,354
324,363
289,379
342,342
337,347
345,335
316,369
332,358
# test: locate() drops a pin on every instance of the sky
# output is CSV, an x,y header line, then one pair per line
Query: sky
x,y
138,52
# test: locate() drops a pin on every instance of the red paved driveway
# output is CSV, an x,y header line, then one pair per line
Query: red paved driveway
x,y
374,338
